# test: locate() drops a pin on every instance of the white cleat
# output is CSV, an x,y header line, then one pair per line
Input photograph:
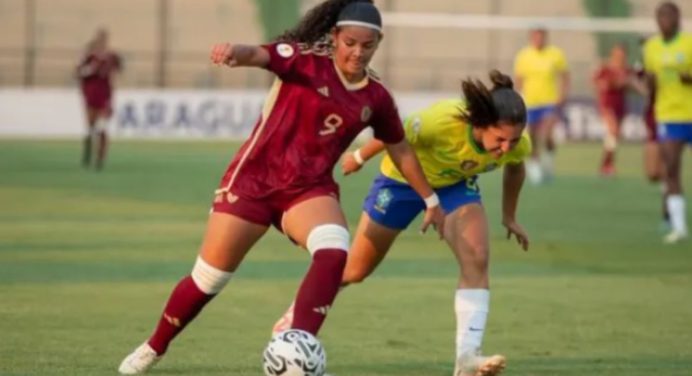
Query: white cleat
x,y
285,322
139,361
472,364
675,237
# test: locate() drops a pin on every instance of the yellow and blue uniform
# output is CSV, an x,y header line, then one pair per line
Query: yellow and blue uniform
x,y
540,71
673,108
451,161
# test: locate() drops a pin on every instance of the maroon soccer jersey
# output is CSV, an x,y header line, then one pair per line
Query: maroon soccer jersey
x,y
95,73
311,115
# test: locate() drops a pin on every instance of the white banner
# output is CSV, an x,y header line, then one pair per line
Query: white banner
x,y
208,114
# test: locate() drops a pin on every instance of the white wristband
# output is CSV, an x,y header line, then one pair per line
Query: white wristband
x,y
432,201
358,157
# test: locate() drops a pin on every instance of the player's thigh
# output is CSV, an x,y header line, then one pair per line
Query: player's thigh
x,y
92,115
466,232
227,240
671,151
653,163
610,120
302,218
370,245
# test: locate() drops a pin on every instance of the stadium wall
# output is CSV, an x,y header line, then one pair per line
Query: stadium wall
x,y
211,114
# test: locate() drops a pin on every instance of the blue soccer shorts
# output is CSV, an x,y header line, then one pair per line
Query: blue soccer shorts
x,y
395,205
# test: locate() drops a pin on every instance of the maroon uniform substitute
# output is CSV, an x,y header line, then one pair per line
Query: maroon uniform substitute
x,y
95,73
311,116
612,90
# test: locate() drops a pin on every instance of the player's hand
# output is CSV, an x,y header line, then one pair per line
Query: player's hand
x,y
222,53
349,164
513,228
685,77
434,216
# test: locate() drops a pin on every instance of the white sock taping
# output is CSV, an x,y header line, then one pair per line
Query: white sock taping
x,y
329,236
101,125
209,279
471,308
610,142
676,210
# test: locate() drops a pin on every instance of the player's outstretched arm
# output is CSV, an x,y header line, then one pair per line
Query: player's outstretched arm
x,y
512,181
405,160
239,55
353,161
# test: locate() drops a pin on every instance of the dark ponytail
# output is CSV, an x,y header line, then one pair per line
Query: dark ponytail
x,y
317,23
501,104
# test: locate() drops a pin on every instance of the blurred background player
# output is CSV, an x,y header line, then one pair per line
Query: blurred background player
x,y
476,135
542,76
95,73
322,98
611,81
668,62
654,168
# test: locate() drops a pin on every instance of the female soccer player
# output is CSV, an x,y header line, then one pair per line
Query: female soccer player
x,y
542,75
95,73
282,175
668,62
611,82
455,141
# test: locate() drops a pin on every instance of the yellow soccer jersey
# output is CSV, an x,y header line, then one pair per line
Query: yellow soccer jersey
x,y
540,71
666,60
446,149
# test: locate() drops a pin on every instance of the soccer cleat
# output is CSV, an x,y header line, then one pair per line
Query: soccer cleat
x,y
139,361
607,170
473,364
675,237
285,322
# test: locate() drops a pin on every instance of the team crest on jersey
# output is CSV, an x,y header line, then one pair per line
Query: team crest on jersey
x,y
324,90
285,50
365,114
384,198
415,125
680,57
468,165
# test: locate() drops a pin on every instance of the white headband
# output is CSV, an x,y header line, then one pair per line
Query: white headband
x,y
359,23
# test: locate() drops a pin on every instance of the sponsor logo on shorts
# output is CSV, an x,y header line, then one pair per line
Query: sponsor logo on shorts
x,y
384,198
231,198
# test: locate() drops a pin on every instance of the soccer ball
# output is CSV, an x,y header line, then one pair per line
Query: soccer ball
x,y
294,352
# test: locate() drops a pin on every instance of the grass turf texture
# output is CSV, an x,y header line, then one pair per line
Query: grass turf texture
x,y
87,260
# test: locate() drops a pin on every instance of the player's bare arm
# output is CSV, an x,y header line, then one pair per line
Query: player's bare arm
x,y
686,78
513,179
406,161
564,87
239,55
353,161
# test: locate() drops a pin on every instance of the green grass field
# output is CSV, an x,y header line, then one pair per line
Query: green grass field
x,y
87,261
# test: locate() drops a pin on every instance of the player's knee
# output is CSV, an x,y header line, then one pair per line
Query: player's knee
x,y
477,258
328,237
208,278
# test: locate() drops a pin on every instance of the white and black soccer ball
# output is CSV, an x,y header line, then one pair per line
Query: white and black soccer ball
x,y
294,352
